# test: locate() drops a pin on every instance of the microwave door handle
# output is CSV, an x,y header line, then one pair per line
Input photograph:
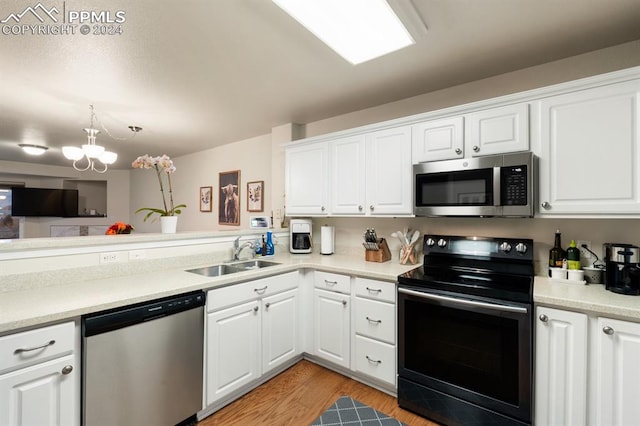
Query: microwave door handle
x,y
496,186
474,303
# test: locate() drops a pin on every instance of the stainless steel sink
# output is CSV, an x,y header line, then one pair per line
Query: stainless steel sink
x,y
215,270
253,264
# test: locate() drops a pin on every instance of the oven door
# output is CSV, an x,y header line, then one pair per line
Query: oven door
x,y
478,351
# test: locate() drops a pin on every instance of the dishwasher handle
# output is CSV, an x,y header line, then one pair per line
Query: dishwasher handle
x,y
114,319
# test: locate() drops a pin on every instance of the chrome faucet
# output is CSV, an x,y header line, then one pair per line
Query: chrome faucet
x,y
237,248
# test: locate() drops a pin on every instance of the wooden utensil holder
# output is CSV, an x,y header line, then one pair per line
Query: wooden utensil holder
x,y
383,254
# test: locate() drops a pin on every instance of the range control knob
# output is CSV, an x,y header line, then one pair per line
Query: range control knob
x,y
430,242
521,248
505,247
442,243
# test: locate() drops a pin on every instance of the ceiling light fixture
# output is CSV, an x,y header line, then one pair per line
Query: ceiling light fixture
x,y
32,149
92,152
358,30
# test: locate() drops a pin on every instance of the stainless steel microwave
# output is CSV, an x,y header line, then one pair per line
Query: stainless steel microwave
x,y
496,185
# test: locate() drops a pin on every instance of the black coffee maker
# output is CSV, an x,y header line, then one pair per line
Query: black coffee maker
x,y
623,268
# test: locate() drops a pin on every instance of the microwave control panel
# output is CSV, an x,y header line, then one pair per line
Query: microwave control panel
x,y
513,182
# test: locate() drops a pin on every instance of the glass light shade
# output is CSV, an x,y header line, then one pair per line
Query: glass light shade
x,y
72,152
92,151
108,157
33,149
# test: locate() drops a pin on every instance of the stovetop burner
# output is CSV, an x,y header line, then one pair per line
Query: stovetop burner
x,y
499,268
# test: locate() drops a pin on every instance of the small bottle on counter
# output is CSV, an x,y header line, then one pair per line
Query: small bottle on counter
x,y
258,246
270,247
573,256
264,246
556,254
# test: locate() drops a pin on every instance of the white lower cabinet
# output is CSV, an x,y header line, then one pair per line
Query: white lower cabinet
x,y
375,330
39,377
587,369
246,339
561,367
331,326
617,378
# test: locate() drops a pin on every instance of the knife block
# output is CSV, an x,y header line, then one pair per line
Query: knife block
x,y
383,254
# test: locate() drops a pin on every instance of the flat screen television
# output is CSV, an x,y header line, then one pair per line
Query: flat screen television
x,y
44,202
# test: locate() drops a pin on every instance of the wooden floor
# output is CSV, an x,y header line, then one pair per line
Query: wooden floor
x,y
299,395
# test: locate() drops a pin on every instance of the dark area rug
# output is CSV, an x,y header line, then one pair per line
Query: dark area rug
x,y
348,411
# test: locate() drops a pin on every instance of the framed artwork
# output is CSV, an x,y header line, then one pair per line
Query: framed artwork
x,y
205,198
229,198
255,196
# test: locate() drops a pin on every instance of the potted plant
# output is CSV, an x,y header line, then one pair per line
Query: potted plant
x,y
164,168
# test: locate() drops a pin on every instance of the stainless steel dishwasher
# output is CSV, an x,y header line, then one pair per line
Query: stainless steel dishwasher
x,y
142,364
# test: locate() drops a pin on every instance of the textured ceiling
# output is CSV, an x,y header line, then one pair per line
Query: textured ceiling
x,y
200,73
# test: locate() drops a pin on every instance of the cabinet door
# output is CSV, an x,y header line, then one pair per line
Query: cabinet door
x,y
306,179
590,152
279,329
233,344
617,382
389,172
41,395
561,367
331,326
438,140
498,130
347,193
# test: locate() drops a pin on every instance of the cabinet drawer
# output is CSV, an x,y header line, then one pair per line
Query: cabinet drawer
x,y
375,319
376,359
238,293
333,282
378,290
36,345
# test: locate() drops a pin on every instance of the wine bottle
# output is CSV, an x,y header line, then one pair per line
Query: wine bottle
x,y
557,253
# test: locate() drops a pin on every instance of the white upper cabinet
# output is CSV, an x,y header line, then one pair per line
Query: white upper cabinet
x,y
497,130
347,193
306,179
589,155
438,140
388,172
486,132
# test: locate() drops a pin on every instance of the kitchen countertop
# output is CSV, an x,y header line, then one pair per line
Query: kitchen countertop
x,y
37,306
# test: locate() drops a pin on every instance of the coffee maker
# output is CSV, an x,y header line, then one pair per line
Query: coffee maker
x,y
623,268
300,237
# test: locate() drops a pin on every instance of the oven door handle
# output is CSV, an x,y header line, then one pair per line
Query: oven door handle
x,y
495,307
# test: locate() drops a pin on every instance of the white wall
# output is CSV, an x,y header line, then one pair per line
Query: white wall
x,y
251,156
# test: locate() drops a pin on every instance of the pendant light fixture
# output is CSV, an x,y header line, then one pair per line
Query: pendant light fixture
x,y
96,156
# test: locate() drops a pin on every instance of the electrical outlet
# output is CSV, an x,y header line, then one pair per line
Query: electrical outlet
x,y
112,257
137,254
584,254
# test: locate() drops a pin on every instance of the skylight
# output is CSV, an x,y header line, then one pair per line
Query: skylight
x,y
358,30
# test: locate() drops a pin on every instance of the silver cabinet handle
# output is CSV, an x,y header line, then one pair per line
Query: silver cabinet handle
x,y
344,303
374,290
266,305
374,321
360,208
543,318
476,148
260,290
373,361
608,330
546,205
255,309
67,369
331,283
458,151
371,207
35,348
322,208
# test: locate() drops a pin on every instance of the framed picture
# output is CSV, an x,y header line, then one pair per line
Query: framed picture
x,y
229,198
205,198
255,196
